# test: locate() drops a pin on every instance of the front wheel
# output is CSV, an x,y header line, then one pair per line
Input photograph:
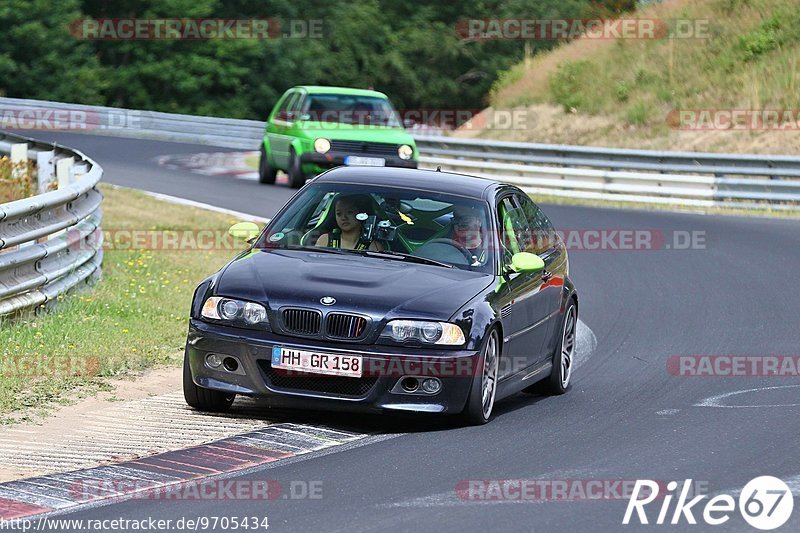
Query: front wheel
x,y
266,172
296,177
201,398
481,398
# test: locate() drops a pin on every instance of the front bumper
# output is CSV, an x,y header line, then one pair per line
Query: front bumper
x,y
376,391
331,160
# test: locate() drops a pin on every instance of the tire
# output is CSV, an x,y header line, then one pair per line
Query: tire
x,y
203,399
266,172
296,177
563,356
479,407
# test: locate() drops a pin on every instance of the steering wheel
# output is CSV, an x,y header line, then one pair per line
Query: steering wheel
x,y
455,244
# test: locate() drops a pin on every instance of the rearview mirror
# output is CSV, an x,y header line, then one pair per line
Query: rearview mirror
x,y
246,231
526,262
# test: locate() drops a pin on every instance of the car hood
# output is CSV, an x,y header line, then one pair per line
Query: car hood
x,y
350,132
368,285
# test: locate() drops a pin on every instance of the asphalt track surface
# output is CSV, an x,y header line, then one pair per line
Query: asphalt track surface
x,y
625,418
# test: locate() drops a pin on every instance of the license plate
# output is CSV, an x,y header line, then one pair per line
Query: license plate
x,y
317,363
355,160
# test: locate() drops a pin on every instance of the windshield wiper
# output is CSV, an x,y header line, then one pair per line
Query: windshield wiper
x,y
400,256
320,249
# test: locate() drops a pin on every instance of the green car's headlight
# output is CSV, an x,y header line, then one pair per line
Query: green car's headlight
x,y
235,312
424,331
322,145
405,152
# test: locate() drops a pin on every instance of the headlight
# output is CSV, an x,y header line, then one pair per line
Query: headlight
x,y
235,312
405,152
322,145
424,331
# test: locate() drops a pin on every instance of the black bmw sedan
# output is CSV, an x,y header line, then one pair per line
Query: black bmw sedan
x,y
386,290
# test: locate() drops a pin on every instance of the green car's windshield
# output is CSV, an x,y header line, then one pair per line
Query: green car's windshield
x,y
349,109
389,223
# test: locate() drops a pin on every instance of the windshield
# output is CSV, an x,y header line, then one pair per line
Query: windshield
x,y
349,109
386,223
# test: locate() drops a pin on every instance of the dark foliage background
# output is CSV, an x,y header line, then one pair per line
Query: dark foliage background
x,y
409,50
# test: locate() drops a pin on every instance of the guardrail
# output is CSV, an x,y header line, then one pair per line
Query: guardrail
x,y
645,176
51,242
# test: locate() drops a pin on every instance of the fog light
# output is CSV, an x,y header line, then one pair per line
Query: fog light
x,y
213,360
431,385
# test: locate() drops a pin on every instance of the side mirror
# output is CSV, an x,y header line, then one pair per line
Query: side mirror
x,y
246,231
526,262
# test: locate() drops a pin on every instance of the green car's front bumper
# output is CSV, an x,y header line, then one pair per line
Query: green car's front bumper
x,y
334,159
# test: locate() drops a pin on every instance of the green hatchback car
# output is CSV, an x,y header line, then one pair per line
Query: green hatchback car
x,y
315,128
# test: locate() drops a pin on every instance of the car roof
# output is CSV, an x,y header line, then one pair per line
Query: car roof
x,y
429,180
322,89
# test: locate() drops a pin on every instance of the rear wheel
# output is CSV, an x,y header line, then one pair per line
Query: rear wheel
x,y
484,388
202,398
296,177
266,172
564,355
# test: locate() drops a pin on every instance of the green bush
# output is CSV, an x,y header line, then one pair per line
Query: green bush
x,y
569,81
637,114
767,37
623,91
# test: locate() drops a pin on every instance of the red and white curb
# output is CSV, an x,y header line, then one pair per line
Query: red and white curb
x,y
146,476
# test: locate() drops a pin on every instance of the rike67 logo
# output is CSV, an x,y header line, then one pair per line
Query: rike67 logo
x,y
765,503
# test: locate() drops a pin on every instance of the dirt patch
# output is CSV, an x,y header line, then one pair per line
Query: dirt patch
x,y
66,419
550,124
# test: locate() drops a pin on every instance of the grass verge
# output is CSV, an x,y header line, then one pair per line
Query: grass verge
x,y
134,318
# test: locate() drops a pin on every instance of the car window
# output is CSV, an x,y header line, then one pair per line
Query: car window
x,y
508,217
286,105
448,229
297,103
541,236
349,109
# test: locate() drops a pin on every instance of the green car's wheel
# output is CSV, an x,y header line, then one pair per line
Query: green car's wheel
x,y
266,172
296,177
